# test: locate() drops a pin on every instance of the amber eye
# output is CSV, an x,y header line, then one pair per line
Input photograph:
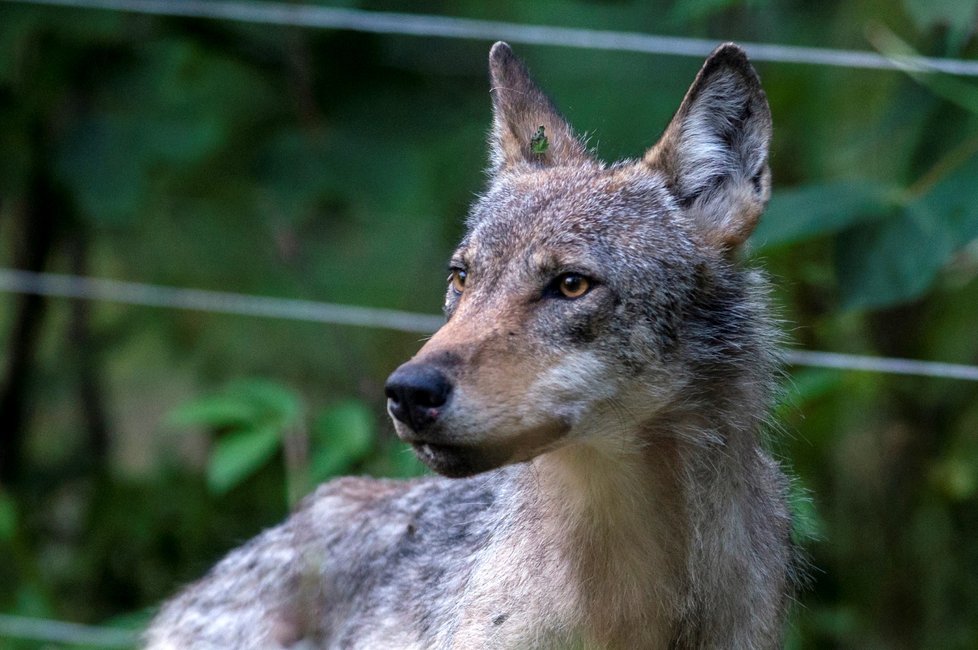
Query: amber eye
x,y
572,285
457,280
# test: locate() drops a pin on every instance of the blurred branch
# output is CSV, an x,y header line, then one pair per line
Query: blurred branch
x,y
39,217
91,402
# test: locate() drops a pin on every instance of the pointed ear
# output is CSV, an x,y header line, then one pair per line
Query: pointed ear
x,y
526,127
714,152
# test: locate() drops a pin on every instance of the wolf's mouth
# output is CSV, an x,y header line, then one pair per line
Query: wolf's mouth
x,y
453,461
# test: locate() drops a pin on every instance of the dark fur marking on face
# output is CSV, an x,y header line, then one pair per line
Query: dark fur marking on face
x,y
580,320
582,328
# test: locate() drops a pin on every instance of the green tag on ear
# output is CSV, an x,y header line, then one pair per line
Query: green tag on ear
x,y
539,143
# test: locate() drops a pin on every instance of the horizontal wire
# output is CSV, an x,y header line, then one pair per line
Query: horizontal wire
x,y
149,295
886,365
221,302
50,631
382,22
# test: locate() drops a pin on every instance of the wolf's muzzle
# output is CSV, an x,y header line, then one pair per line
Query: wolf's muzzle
x,y
416,393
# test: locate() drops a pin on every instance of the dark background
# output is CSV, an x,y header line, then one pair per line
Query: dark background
x,y
138,444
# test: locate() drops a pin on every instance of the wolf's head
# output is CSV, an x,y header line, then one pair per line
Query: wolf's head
x,y
586,299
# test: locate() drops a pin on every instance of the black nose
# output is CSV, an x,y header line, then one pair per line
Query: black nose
x,y
416,392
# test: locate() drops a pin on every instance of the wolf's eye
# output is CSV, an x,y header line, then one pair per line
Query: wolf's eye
x,y
572,285
457,280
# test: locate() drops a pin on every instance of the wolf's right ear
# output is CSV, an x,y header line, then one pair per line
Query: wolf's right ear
x,y
714,152
526,127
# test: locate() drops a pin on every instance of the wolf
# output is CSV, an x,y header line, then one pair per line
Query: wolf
x,y
594,403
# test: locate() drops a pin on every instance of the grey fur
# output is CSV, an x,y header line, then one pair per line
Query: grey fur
x,y
613,490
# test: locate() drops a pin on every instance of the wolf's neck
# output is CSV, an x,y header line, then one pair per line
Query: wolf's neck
x,y
619,528
636,520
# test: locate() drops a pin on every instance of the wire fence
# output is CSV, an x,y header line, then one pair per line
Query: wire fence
x,y
219,302
405,24
149,295
50,631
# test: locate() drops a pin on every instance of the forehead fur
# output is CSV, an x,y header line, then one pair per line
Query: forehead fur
x,y
567,204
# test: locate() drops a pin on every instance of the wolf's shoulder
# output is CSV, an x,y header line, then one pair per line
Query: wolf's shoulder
x,y
352,506
304,577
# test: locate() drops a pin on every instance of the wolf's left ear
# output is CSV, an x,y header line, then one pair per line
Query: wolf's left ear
x,y
714,152
526,127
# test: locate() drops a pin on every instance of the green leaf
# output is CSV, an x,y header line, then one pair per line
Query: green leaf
x,y
247,403
900,258
342,436
952,199
216,412
946,86
238,455
927,13
890,262
957,15
277,403
815,210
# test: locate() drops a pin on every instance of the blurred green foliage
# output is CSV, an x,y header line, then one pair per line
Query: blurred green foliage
x,y
137,445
